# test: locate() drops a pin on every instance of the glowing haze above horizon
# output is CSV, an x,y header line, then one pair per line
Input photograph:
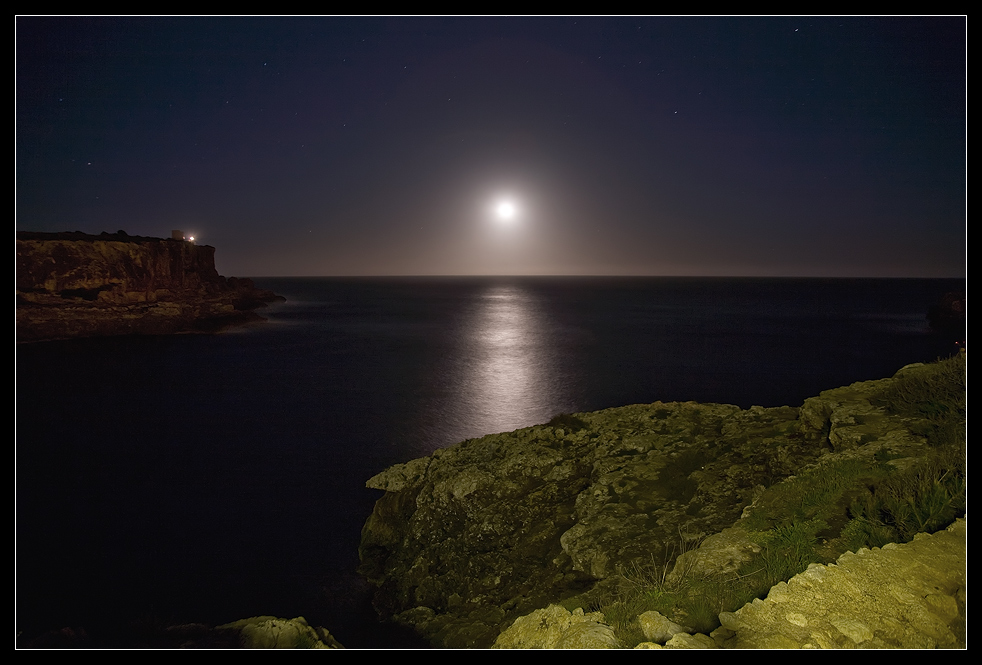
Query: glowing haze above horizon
x,y
521,146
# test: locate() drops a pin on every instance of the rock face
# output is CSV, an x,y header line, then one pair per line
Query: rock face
x,y
467,540
494,527
77,285
557,628
905,596
482,532
268,632
657,628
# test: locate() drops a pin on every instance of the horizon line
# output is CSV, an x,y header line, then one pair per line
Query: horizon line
x,y
592,276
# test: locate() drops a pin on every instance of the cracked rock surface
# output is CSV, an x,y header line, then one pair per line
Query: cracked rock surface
x,y
909,595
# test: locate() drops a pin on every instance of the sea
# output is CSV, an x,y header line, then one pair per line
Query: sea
x,y
209,478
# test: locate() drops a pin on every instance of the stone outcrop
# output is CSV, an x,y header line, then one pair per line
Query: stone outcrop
x,y
558,628
268,632
77,285
467,540
482,532
906,596
657,628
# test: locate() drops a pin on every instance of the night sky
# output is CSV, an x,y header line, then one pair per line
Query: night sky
x,y
626,146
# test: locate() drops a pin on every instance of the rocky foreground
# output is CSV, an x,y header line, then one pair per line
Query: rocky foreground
x,y
907,596
77,285
838,524
680,514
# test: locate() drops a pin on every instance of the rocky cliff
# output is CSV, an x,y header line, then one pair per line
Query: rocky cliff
x,y
77,285
690,510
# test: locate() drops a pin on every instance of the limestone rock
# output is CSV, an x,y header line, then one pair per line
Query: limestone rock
x,y
908,595
556,628
520,519
464,542
657,628
721,553
397,477
686,641
268,632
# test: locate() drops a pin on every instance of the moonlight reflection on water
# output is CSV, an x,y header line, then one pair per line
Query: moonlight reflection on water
x,y
505,375
206,479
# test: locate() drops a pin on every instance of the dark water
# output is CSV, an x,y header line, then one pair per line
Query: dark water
x,y
198,478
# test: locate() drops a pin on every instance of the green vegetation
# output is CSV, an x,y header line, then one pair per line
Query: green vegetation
x,y
786,551
927,497
933,390
690,600
643,588
811,495
934,394
820,514
853,503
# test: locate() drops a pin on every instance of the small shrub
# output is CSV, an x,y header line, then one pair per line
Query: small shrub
x,y
786,551
648,587
812,495
927,497
935,391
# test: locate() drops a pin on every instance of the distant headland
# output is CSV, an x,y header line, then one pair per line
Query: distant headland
x,y
74,284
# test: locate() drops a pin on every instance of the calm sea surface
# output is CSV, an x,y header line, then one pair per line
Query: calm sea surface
x,y
211,478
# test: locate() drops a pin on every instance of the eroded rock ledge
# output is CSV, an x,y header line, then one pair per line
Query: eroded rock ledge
x,y
904,596
76,285
907,596
468,540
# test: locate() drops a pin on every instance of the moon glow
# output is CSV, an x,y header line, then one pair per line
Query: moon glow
x,y
505,211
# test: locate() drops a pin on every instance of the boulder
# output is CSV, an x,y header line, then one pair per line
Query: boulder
x,y
268,632
557,628
657,628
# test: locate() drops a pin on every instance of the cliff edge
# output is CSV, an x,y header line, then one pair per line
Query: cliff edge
x,y
684,510
79,285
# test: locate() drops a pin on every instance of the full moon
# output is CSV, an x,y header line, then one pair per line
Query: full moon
x,y
505,210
